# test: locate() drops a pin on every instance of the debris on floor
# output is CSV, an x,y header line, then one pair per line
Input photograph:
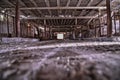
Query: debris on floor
x,y
88,62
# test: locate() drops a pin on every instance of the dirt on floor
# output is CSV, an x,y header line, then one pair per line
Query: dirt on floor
x,y
99,62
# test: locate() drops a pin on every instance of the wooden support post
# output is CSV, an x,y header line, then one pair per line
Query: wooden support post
x,y
115,23
44,32
21,29
45,27
2,27
30,31
88,31
14,28
49,32
119,20
0,31
109,19
71,31
94,24
38,36
8,33
27,31
99,14
17,20
74,32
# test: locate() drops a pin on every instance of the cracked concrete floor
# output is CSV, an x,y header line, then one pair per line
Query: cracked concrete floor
x,y
86,62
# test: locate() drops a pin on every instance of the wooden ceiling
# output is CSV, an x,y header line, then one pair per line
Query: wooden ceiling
x,y
57,12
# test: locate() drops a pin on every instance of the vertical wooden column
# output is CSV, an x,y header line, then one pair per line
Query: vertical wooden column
x,y
45,27
119,19
21,28
8,33
38,36
49,32
14,28
88,28
99,14
74,32
94,24
115,24
109,19
27,30
45,31
17,20
0,30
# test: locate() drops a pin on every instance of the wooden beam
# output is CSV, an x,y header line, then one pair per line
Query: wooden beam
x,y
17,19
80,17
109,19
115,23
45,28
8,26
119,20
14,28
95,29
21,2
58,5
61,8
68,3
83,11
79,2
7,1
92,19
36,6
99,14
48,5
90,2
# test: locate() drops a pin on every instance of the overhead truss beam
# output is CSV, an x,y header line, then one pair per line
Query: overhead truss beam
x,y
60,8
80,17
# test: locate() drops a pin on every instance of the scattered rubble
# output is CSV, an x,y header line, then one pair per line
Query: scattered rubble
x,y
88,62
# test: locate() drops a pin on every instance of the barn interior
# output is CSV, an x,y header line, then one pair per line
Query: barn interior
x,y
59,39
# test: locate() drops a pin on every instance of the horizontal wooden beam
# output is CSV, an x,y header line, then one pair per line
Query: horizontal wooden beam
x,y
61,30
42,18
62,26
59,8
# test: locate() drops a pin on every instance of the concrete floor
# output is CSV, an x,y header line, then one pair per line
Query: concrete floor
x,y
60,60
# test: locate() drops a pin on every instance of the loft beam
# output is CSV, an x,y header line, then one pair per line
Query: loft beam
x,y
60,8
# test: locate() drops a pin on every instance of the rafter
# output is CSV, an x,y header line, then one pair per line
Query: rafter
x,y
25,5
48,5
83,11
78,4
58,5
96,15
68,3
36,6
9,3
